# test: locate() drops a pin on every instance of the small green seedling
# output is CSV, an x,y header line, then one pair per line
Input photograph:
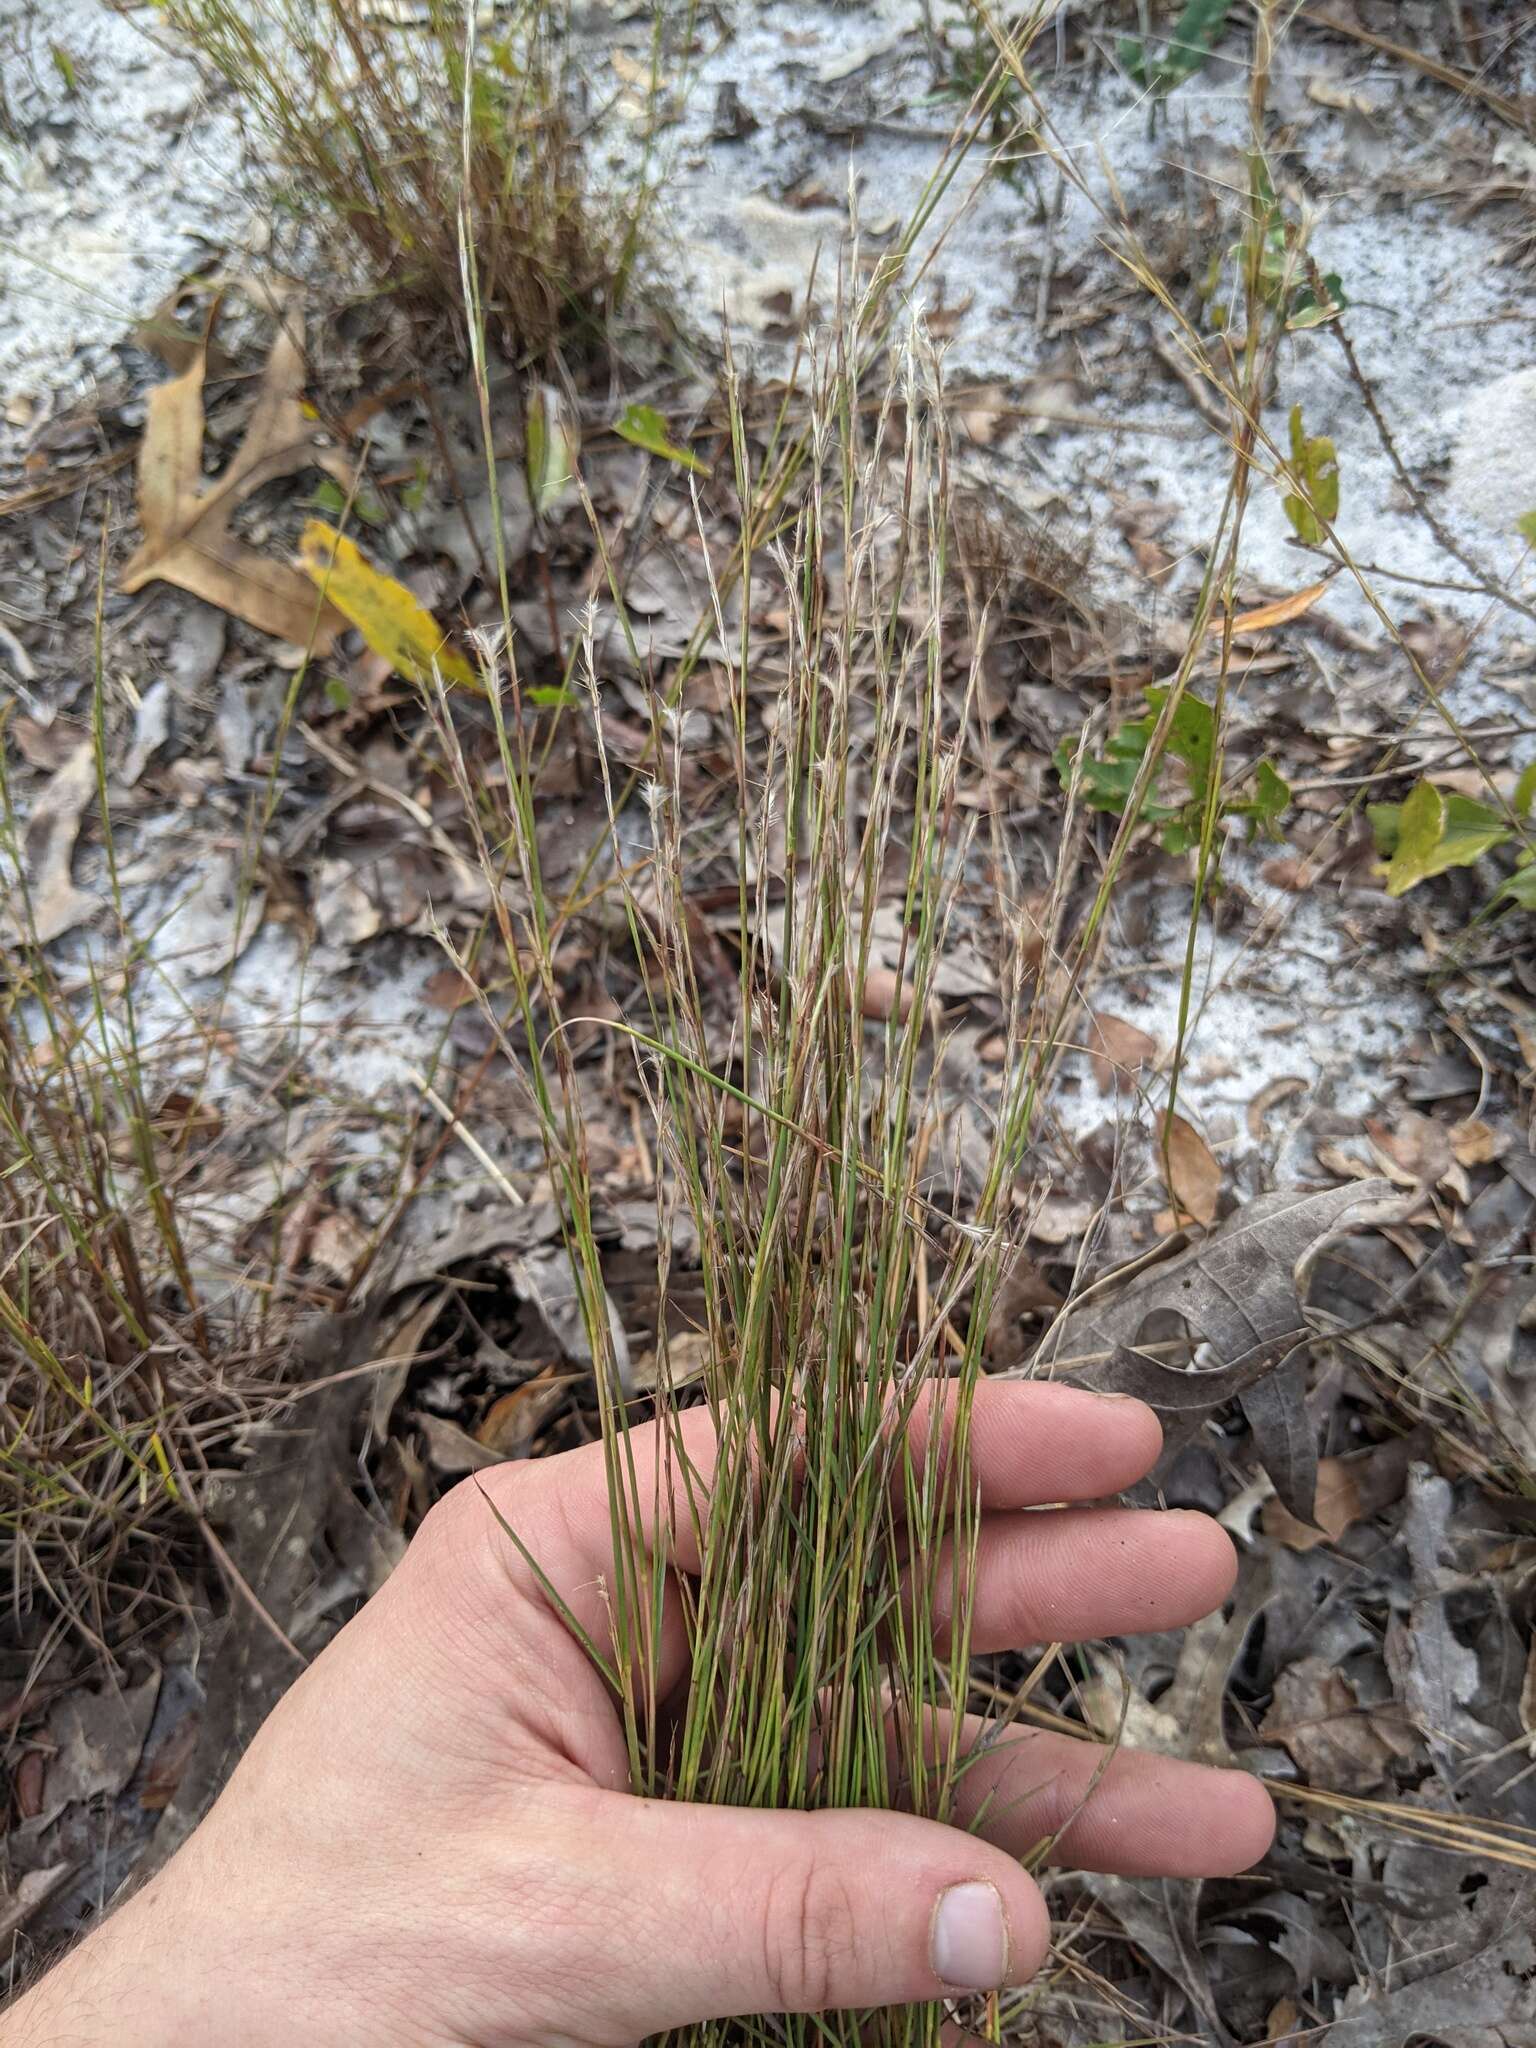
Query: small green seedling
x,y
645,427
1269,260
1435,830
329,498
1107,782
1315,465
1188,48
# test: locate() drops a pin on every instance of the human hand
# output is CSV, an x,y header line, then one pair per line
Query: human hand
x,y
430,1843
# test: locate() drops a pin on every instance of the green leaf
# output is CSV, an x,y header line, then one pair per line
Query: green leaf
x,y
1316,467
646,428
1434,832
548,696
552,448
1525,791
1521,886
1270,800
1191,736
328,497
1525,526
1308,310
1187,49
1106,784
1419,826
1386,823
64,64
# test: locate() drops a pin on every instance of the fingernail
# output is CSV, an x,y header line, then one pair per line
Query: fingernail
x,y
968,1943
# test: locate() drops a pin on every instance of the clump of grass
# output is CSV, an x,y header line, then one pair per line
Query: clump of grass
x,y
849,1253
119,1379
363,116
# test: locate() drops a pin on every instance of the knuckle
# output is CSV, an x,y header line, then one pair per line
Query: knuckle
x,y
811,1931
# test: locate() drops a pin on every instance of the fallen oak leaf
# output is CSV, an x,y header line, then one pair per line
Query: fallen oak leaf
x,y
1316,1716
1283,1432
1240,1294
394,623
186,519
1489,1998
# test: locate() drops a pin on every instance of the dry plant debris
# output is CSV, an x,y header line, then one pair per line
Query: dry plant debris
x,y
1358,1408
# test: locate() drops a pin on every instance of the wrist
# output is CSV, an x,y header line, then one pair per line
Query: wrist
x,y
156,1970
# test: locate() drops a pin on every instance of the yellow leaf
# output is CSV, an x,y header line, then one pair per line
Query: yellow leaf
x,y
383,611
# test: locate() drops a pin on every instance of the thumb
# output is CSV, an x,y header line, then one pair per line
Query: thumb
x,y
751,1912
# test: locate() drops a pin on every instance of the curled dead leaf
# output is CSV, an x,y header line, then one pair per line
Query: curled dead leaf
x,y
1279,613
1333,1740
1347,1491
1191,1170
887,995
513,1422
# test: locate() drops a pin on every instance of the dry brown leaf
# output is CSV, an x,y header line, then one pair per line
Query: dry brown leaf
x,y
1240,1294
512,1423
1415,1151
1280,613
1337,1505
688,1359
1346,1165
887,995
1476,1143
1118,1051
186,518
1277,1091
448,989
450,1449
1342,98
1191,1170
1333,1740
339,1245
1057,1219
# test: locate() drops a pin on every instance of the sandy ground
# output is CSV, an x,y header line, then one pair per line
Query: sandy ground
x,y
118,176
123,173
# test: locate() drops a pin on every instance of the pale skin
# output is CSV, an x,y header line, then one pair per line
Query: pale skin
x,y
430,1844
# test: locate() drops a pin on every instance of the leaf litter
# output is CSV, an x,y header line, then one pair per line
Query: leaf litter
x,y
1381,1641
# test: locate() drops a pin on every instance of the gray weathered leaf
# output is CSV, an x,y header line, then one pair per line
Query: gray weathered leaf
x,y
1275,1409
56,905
1436,1674
1241,1296
548,1280
1488,2001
